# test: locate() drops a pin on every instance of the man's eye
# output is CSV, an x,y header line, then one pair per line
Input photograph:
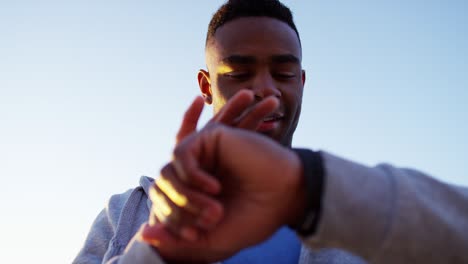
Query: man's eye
x,y
284,75
238,75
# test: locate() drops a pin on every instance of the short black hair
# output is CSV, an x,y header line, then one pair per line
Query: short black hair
x,y
234,9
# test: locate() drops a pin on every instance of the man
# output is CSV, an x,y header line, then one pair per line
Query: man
x,y
253,46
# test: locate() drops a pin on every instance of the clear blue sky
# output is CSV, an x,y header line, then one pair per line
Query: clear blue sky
x,y
91,93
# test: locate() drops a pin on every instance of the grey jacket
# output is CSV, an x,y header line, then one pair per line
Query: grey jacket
x,y
382,214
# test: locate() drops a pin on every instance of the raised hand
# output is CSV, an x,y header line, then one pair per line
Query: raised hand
x,y
240,111
174,209
262,189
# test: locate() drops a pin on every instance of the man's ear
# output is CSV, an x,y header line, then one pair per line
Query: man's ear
x,y
205,85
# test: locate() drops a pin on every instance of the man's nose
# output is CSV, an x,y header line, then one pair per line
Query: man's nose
x,y
264,85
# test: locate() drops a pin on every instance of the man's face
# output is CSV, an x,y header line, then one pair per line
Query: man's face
x,y
263,55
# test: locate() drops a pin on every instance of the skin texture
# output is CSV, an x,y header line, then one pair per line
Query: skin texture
x,y
262,55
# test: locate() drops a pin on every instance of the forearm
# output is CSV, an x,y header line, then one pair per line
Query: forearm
x,y
390,215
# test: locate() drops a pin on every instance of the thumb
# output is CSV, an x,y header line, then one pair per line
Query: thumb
x,y
160,238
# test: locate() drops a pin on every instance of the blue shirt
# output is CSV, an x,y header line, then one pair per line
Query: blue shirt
x,y
282,247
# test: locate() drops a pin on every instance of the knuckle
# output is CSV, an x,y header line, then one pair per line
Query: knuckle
x,y
182,146
164,171
179,136
176,152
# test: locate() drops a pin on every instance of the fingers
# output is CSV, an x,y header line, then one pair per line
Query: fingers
x,y
161,238
234,108
192,175
165,212
254,117
170,247
240,112
155,234
180,208
190,120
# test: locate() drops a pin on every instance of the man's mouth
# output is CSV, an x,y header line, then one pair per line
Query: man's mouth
x,y
269,123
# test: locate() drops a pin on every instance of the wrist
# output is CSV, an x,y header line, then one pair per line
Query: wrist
x,y
297,191
313,177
